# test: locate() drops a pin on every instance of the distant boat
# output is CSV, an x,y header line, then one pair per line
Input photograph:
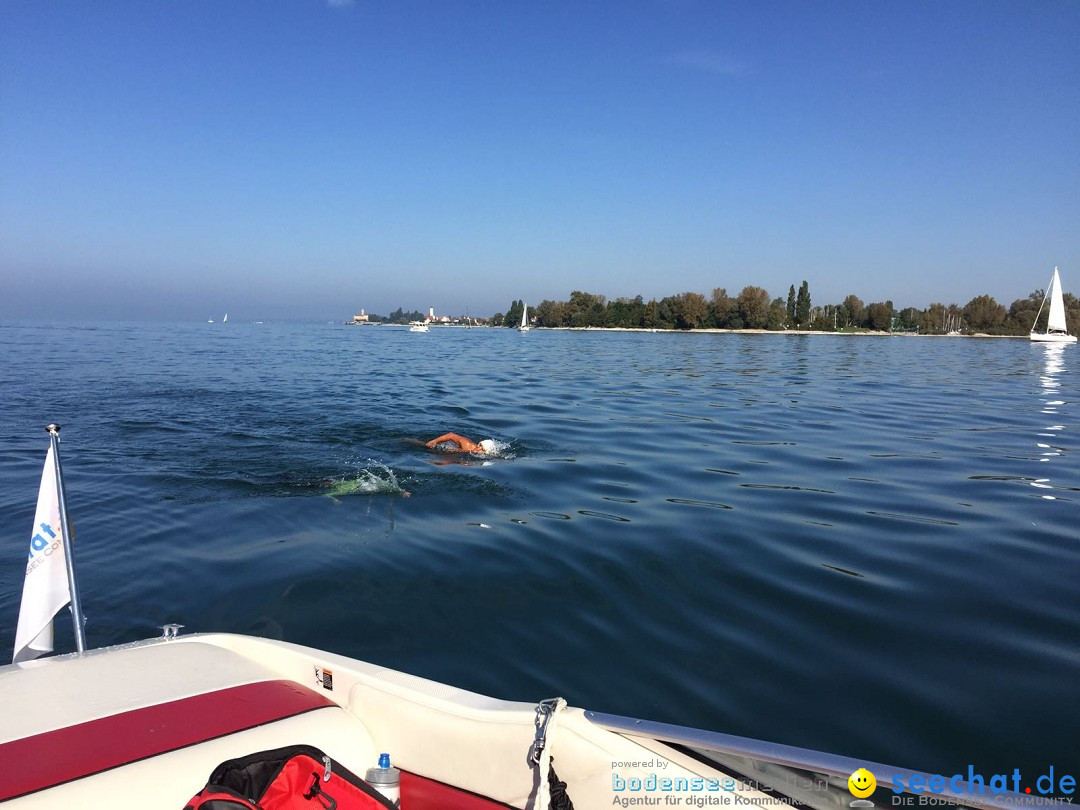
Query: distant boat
x,y
226,318
1057,330
210,320
524,318
416,326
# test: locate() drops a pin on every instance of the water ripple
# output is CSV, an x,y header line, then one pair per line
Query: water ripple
x,y
741,532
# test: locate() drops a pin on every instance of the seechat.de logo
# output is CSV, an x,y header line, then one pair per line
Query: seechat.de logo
x,y
861,784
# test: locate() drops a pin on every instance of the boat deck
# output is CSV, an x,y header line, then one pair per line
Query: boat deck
x,y
154,719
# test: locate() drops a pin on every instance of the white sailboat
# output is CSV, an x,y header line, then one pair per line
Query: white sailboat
x,y
226,318
524,318
1056,329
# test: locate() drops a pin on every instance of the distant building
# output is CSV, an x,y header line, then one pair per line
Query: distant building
x,y
431,313
361,318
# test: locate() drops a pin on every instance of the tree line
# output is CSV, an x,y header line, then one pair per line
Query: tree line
x,y
754,308
399,315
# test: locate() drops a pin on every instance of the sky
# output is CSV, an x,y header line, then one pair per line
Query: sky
x,y
180,159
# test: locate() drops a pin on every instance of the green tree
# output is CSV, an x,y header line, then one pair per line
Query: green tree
x,y
984,314
585,309
691,310
791,304
753,306
513,315
910,319
546,313
879,316
843,318
932,319
722,307
625,313
802,306
1072,312
778,315
856,311
651,316
399,315
666,312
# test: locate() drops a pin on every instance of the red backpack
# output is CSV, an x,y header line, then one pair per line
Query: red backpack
x,y
299,777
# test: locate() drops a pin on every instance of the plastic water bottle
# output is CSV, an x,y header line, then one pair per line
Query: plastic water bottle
x,y
386,779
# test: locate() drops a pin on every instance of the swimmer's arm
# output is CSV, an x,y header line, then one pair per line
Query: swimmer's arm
x,y
468,445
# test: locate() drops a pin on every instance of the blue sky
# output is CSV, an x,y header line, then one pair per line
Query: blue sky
x,y
184,158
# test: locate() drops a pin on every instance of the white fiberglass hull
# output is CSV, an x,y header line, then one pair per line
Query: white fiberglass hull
x,y
150,721
153,719
1052,337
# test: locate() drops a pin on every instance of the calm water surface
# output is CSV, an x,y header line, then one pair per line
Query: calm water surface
x,y
861,545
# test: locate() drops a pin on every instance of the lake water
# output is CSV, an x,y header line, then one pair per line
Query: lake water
x,y
865,545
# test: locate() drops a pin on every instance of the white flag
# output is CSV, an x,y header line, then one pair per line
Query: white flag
x,y
45,589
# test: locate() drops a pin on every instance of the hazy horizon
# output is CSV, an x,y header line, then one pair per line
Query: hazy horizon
x,y
309,159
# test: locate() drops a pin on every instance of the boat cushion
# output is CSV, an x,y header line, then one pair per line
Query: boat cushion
x,y
73,752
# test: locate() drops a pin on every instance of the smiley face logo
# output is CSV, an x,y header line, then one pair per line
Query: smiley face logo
x,y
861,783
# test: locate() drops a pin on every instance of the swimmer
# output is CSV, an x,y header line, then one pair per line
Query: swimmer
x,y
464,445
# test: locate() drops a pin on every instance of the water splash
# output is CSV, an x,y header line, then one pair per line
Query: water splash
x,y
374,479
501,450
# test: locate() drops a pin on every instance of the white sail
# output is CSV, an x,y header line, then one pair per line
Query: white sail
x,y
226,318
524,318
1056,322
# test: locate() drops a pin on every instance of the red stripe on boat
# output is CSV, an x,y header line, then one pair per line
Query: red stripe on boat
x,y
420,793
55,757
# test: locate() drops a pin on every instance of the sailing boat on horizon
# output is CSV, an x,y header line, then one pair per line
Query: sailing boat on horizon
x,y
226,318
524,318
1057,330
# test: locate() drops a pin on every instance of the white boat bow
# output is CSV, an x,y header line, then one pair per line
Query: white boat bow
x,y
154,718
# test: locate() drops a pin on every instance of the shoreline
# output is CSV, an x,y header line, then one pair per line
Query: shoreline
x,y
710,331
714,331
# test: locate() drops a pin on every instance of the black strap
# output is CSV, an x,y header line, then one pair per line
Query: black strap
x,y
560,800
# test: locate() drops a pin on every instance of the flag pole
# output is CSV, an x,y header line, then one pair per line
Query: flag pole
x,y
65,532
